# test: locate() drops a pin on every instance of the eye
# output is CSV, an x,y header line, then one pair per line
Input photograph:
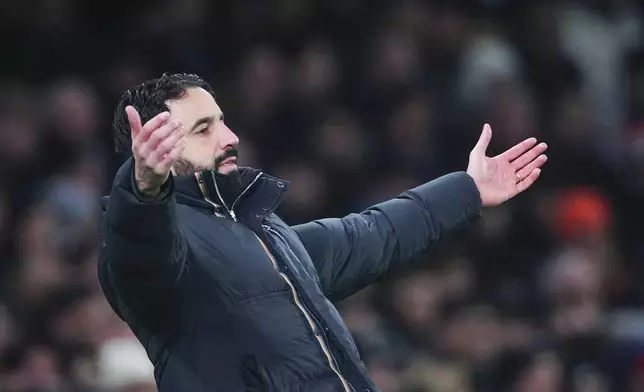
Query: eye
x,y
202,131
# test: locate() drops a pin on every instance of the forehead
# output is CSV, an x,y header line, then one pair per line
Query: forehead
x,y
195,104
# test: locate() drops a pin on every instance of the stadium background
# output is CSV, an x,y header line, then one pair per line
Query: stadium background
x,y
353,101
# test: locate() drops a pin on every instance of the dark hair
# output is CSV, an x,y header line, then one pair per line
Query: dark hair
x,y
149,99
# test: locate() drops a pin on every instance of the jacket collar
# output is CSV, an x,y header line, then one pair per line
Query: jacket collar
x,y
253,193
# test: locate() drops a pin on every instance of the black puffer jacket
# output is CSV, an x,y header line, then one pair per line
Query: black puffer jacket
x,y
230,298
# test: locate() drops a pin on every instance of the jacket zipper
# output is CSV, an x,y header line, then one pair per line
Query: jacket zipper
x,y
231,210
296,298
309,316
232,206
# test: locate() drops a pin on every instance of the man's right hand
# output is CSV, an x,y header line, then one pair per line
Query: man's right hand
x,y
156,146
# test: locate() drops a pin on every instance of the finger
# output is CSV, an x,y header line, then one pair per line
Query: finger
x,y
535,164
484,140
134,119
166,145
514,152
152,125
157,137
166,163
529,156
528,181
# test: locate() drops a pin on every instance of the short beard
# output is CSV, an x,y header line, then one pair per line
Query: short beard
x,y
184,167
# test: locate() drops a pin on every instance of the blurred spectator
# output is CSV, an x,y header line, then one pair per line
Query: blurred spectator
x,y
123,366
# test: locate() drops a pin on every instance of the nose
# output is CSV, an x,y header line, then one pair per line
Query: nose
x,y
229,137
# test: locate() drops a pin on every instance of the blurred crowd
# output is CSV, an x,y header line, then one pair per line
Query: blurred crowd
x,y
353,101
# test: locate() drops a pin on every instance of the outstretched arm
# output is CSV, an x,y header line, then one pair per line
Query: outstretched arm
x,y
353,252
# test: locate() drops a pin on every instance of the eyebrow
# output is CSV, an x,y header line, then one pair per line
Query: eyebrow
x,y
205,120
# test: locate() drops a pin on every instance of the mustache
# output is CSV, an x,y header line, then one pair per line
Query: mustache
x,y
232,152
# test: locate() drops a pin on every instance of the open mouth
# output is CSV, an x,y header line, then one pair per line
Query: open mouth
x,y
229,161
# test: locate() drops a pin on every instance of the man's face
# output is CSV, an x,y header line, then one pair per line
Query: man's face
x,y
210,144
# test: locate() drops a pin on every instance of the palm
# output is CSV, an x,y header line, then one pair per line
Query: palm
x,y
504,176
498,180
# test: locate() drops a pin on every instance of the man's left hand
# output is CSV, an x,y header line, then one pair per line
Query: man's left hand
x,y
502,177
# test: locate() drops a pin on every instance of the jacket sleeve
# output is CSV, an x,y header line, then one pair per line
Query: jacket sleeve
x,y
353,252
144,253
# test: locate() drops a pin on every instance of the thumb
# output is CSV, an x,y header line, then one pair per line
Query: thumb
x,y
134,120
484,140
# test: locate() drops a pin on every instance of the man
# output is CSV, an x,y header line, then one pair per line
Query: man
x,y
223,294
